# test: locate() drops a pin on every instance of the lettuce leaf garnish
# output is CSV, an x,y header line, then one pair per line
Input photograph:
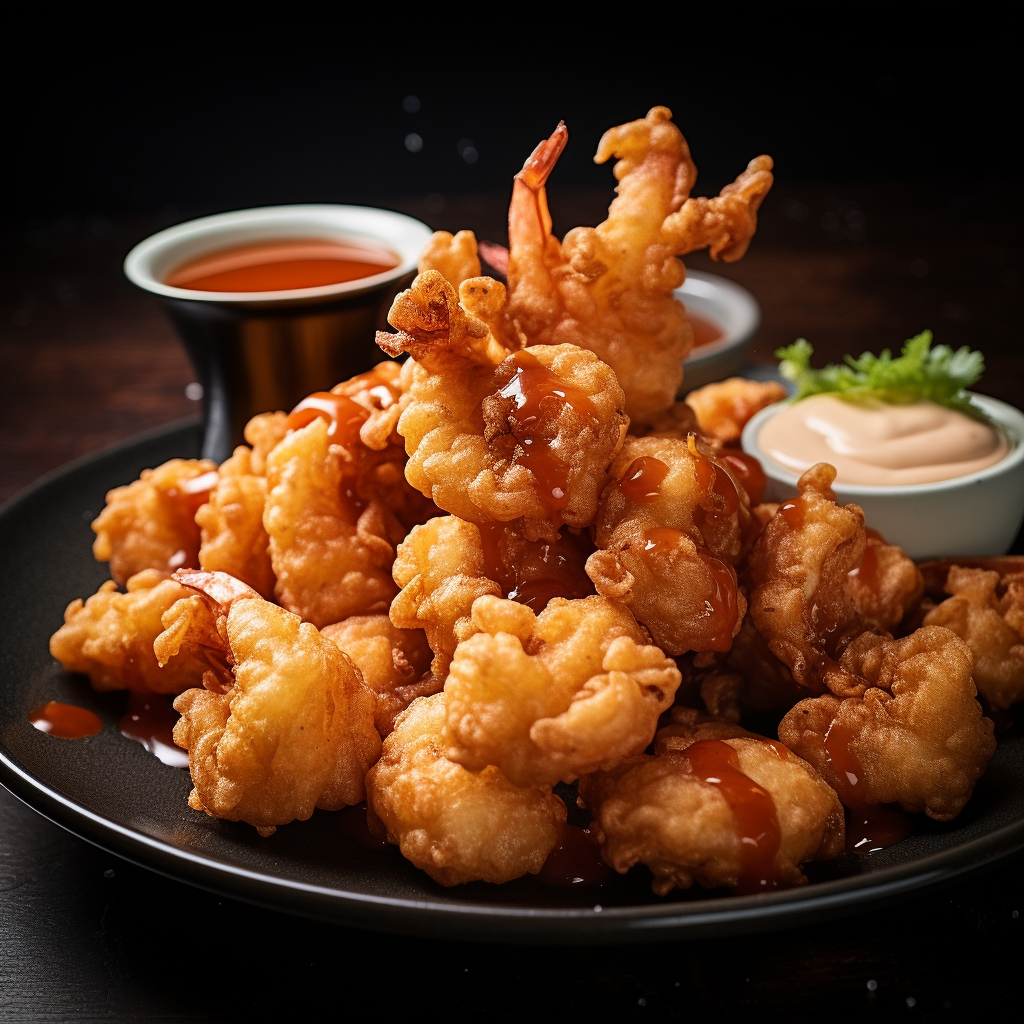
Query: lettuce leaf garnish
x,y
920,373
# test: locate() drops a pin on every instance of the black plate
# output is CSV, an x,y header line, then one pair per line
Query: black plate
x,y
111,792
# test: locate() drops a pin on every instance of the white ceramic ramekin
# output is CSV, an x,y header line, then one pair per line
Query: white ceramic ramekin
x,y
737,315
978,514
152,260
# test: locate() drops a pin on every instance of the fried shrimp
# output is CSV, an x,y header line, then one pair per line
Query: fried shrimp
x,y
609,288
394,663
331,551
295,729
669,530
553,696
495,434
452,256
986,609
915,735
110,638
441,569
150,524
457,825
884,585
797,575
717,806
231,524
724,408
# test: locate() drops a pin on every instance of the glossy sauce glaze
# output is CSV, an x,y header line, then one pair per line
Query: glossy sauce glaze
x,y
643,479
757,823
538,396
881,444
344,417
280,266
150,720
721,606
748,473
575,860
533,572
67,721
869,827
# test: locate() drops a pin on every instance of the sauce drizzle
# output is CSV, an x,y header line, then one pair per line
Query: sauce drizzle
x,y
150,720
869,827
757,823
575,861
643,479
344,417
538,396
65,720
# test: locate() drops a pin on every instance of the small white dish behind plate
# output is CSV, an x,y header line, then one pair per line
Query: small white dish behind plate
x,y
734,311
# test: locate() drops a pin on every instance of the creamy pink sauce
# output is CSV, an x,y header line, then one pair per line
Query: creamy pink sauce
x,y
872,442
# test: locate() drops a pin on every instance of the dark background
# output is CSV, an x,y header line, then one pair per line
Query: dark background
x,y
896,208
111,108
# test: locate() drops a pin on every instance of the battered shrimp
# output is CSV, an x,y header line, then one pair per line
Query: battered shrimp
x,y
291,730
494,434
610,288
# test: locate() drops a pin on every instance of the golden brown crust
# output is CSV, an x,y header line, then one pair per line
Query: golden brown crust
x,y
458,826
150,524
918,733
554,696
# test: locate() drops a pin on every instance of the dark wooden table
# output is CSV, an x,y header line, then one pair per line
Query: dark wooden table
x,y
86,361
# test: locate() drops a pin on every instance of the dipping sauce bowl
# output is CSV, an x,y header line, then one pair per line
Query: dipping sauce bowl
x,y
977,514
258,351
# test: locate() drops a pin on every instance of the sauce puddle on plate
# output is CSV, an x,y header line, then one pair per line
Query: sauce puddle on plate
x,y
65,720
150,720
280,266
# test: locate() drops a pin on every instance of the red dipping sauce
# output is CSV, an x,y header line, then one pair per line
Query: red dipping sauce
x,y
281,265
704,331
65,720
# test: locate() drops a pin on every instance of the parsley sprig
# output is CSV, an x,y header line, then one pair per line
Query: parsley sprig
x,y
920,373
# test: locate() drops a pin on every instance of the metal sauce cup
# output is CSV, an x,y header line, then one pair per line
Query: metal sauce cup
x,y
260,351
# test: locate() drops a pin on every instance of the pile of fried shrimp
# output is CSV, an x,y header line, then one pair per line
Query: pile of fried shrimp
x,y
507,564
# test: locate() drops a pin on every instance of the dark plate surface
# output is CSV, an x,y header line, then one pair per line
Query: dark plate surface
x,y
110,791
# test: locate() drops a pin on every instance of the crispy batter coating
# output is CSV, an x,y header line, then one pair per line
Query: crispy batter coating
x,y
294,732
885,585
916,736
264,432
452,256
445,565
986,609
331,553
494,436
610,288
231,523
457,825
150,524
553,696
724,408
797,575
663,812
670,528
110,638
440,568
395,663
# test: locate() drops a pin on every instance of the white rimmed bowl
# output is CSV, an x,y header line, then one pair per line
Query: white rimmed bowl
x,y
261,351
153,259
736,314
978,514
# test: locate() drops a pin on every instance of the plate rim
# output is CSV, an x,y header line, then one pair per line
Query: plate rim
x,y
464,920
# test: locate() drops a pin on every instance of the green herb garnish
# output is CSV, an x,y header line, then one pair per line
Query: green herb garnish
x,y
920,373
